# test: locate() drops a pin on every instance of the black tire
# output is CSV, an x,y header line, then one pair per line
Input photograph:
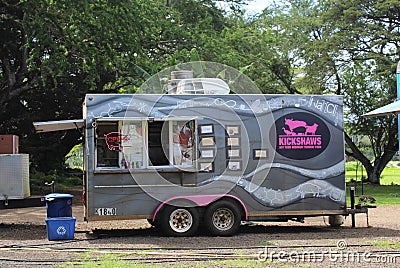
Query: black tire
x,y
222,218
179,221
153,223
336,220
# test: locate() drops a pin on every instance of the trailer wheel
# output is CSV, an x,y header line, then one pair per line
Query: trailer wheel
x,y
176,221
222,218
336,220
153,223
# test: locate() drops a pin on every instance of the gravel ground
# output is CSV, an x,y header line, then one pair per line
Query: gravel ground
x,y
24,242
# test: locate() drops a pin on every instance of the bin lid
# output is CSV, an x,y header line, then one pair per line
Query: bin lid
x,y
51,197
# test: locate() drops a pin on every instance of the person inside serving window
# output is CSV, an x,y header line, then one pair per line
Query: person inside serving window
x,y
182,139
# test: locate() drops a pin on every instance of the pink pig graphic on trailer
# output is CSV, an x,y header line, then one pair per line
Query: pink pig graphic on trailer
x,y
294,124
114,139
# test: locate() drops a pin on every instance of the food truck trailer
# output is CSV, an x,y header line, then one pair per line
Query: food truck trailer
x,y
211,159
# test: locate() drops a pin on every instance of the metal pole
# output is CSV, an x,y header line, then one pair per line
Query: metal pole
x,y
352,202
398,98
356,172
362,182
355,139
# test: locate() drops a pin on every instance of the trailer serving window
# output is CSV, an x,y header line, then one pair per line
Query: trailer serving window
x,y
107,144
132,143
144,143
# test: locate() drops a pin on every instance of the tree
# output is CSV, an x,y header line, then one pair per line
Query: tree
x,y
350,48
367,33
52,53
363,91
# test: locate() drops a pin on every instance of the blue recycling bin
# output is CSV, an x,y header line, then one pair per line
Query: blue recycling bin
x,y
61,228
59,205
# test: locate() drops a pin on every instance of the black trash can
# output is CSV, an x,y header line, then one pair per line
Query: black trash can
x,y
59,205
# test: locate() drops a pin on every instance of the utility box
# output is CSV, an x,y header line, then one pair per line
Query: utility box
x,y
8,144
14,176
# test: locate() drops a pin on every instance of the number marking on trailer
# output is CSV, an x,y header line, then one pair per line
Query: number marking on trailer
x,y
106,211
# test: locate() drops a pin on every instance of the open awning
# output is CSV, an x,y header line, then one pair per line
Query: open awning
x,y
58,125
392,108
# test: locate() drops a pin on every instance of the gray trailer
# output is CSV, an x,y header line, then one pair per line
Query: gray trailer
x,y
185,160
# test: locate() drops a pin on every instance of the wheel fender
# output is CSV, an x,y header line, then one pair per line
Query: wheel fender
x,y
198,200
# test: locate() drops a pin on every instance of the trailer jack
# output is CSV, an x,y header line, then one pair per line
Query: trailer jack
x,y
359,208
5,200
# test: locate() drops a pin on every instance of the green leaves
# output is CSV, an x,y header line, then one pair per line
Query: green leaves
x,y
54,51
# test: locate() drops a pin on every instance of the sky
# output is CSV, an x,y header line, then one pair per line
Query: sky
x,y
252,7
256,6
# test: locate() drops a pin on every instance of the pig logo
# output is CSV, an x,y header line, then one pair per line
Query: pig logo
x,y
114,140
294,125
301,135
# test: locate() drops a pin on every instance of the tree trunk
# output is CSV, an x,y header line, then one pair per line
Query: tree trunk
x,y
373,171
374,177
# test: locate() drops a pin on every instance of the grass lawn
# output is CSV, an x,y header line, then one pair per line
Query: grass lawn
x,y
389,176
388,193
384,194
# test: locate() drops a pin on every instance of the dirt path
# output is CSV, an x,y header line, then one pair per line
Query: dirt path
x,y
23,235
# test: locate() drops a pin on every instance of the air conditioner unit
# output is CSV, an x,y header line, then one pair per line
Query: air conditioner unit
x,y
212,86
14,176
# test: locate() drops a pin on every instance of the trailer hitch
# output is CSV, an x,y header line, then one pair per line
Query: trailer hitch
x,y
299,219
